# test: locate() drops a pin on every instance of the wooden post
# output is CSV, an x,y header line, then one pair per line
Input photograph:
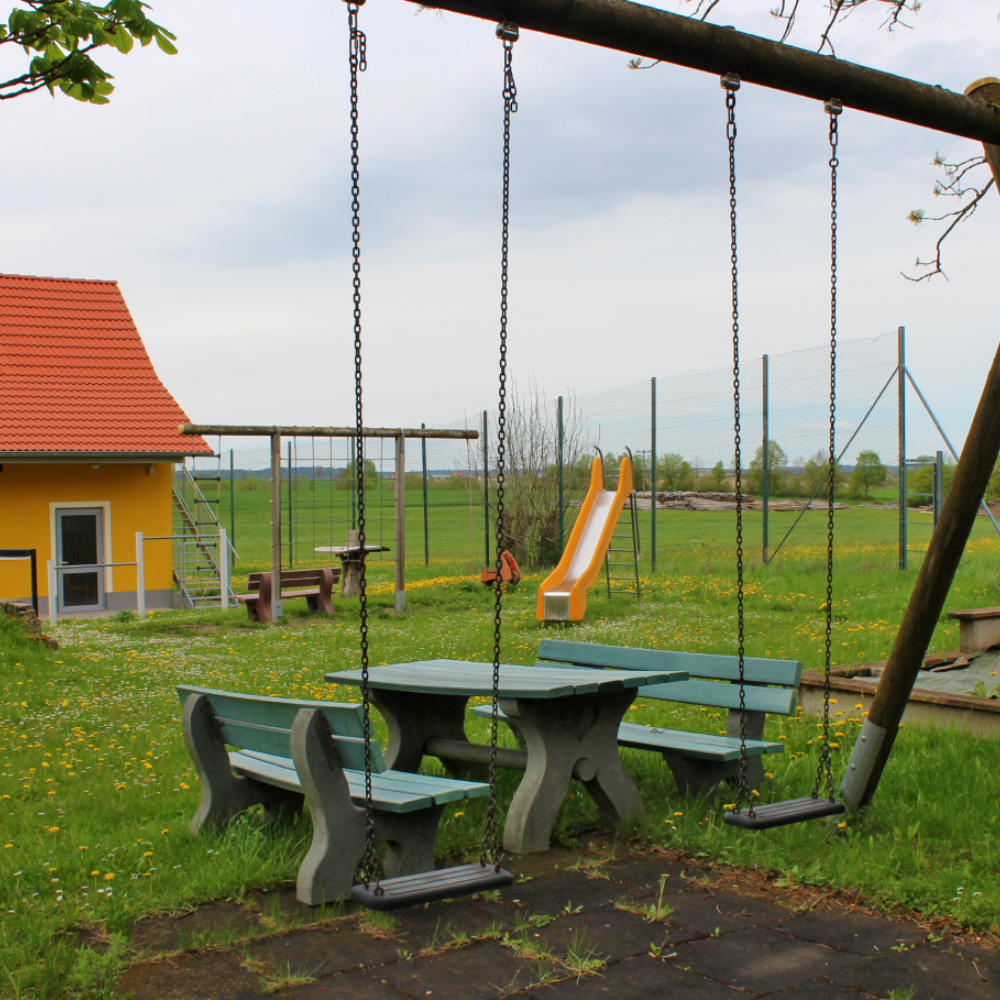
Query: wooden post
x,y
140,575
276,525
958,515
400,522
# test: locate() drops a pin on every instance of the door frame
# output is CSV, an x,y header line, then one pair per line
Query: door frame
x,y
105,506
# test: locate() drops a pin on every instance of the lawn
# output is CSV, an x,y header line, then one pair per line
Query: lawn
x,y
96,789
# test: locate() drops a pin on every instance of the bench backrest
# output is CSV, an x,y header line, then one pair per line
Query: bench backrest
x,y
296,578
255,722
706,669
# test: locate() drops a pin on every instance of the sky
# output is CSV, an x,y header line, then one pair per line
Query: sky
x,y
215,189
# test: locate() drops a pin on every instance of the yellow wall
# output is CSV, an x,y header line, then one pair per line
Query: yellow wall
x,y
138,502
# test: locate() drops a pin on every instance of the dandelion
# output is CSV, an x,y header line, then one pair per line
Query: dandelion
x,y
148,854
184,787
459,814
109,876
678,814
7,847
82,847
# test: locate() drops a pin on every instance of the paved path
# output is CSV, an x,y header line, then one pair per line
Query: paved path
x,y
535,937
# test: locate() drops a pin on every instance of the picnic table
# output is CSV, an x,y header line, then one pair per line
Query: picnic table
x,y
567,721
350,561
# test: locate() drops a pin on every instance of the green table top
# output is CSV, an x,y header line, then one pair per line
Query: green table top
x,y
469,679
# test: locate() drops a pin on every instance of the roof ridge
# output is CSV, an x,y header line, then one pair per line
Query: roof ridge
x,y
43,277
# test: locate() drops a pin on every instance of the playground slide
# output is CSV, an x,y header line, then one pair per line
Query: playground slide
x,y
563,595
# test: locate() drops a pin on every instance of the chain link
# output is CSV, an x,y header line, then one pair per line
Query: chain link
x,y
358,64
824,772
731,83
507,33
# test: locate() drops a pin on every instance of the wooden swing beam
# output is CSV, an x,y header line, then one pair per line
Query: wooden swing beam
x,y
655,34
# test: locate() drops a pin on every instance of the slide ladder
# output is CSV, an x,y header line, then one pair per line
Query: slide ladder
x,y
563,594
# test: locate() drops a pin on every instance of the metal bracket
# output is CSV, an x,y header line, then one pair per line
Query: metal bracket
x,y
730,81
862,761
507,31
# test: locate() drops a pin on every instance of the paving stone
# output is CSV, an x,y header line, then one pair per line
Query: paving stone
x,y
206,925
981,956
819,989
856,932
324,951
703,911
479,972
348,986
423,927
611,934
935,975
640,978
760,960
195,977
551,894
644,874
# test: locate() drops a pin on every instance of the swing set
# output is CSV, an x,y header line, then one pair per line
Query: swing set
x,y
735,57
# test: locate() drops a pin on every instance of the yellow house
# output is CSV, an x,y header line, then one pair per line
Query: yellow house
x,y
88,442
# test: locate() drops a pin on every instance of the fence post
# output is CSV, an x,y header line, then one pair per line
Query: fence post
x,y
765,483
423,458
291,480
276,525
223,569
53,592
400,523
652,473
140,575
486,487
232,498
560,444
901,422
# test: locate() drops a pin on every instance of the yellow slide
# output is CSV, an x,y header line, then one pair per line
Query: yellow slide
x,y
562,596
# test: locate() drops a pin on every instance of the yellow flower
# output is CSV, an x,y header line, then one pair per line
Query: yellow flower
x,y
95,873
678,814
184,787
7,847
82,848
53,829
163,833
459,814
840,826
119,786
768,775
108,876
148,854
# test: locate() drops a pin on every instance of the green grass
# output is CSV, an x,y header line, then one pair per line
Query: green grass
x,y
94,777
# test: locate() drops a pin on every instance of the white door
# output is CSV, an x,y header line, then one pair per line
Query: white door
x,y
80,543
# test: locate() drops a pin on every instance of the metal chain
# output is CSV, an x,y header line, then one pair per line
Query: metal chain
x,y
731,83
825,771
358,64
508,34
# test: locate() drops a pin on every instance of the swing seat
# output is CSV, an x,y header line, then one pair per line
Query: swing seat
x,y
783,813
427,887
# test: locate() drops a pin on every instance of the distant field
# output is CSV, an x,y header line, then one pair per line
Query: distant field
x,y
457,539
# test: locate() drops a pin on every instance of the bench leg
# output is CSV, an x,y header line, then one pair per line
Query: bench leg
x,y
410,840
338,843
224,795
754,731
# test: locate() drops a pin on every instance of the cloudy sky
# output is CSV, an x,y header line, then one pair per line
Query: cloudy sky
x,y
215,189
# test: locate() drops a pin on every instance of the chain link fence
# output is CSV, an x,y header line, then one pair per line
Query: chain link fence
x,y
679,430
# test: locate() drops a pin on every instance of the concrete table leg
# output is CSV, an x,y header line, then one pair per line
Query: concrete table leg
x,y
562,733
351,575
412,719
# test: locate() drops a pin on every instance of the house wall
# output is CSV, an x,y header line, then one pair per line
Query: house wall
x,y
133,498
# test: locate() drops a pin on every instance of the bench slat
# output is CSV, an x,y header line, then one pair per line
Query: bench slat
x,y
345,718
700,746
392,791
756,670
778,701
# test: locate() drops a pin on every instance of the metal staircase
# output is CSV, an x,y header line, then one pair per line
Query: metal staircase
x,y
196,542
621,562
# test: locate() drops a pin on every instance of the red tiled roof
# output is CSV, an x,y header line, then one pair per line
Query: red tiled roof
x,y
75,376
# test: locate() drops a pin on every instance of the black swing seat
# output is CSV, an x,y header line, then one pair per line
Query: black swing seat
x,y
427,887
784,813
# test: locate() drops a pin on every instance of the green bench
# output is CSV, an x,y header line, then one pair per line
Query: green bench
x,y
287,752
699,762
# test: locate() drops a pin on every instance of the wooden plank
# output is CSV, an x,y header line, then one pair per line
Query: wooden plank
x,y
974,613
265,770
777,701
345,718
756,670
691,745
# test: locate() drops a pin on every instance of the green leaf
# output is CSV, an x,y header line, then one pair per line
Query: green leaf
x,y
166,45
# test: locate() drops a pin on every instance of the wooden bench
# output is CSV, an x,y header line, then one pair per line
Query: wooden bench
x,y
293,751
699,762
315,585
979,628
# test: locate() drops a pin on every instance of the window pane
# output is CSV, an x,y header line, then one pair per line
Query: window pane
x,y
79,539
80,590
